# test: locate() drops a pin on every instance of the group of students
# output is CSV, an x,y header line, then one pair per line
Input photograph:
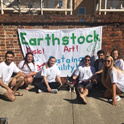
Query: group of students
x,y
24,75
108,71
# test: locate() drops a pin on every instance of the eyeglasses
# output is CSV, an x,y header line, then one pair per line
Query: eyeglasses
x,y
87,59
107,61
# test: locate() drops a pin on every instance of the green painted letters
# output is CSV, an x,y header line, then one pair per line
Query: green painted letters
x,y
39,39
89,41
32,41
65,40
23,38
48,38
83,39
96,36
73,38
55,38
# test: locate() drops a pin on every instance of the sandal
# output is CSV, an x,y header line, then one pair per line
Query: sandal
x,y
18,94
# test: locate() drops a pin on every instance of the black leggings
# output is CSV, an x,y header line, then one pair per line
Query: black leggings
x,y
42,86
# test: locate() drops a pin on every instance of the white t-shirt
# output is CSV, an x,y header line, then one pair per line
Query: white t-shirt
x,y
119,63
50,73
25,70
84,73
118,78
6,71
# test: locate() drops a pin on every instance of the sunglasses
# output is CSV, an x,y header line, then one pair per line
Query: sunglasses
x,y
107,61
87,59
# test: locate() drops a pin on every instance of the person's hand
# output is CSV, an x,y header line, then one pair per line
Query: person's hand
x,y
96,73
28,75
89,81
10,91
49,89
21,74
114,102
94,81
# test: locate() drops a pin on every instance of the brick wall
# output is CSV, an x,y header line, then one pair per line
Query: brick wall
x,y
113,29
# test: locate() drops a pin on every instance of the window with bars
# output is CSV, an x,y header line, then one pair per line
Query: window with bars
x,y
60,3
82,11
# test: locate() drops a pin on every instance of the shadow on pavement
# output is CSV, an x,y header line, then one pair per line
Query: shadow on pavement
x,y
33,90
3,98
95,93
73,101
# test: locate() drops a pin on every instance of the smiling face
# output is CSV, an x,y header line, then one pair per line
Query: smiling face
x,y
115,55
29,58
9,58
108,62
87,61
52,62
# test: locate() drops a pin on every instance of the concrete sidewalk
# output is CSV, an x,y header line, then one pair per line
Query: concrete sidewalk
x,y
61,108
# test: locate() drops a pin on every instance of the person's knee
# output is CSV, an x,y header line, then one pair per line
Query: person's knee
x,y
29,80
21,78
12,99
9,97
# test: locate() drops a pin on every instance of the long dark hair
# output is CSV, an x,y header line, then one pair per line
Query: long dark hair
x,y
26,61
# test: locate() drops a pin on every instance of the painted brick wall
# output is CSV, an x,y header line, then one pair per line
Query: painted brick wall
x,y
113,29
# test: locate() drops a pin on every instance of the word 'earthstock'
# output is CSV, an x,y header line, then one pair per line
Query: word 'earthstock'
x,y
65,40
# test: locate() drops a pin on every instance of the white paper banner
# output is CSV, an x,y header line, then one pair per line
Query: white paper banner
x,y
69,46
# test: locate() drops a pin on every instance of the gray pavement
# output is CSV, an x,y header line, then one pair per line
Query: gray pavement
x,y
61,108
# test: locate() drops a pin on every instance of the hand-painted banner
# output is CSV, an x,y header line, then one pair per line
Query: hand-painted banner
x,y
69,46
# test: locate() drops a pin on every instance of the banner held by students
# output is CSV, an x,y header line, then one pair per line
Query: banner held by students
x,y
69,46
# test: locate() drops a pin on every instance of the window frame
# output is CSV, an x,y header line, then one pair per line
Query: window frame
x,y
60,3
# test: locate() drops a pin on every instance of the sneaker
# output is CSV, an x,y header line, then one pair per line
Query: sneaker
x,y
54,91
118,98
39,91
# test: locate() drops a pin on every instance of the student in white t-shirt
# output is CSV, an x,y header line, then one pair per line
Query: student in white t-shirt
x,y
51,79
117,62
28,68
9,84
85,73
113,80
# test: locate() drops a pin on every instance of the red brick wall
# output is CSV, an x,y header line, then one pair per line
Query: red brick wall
x,y
113,29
